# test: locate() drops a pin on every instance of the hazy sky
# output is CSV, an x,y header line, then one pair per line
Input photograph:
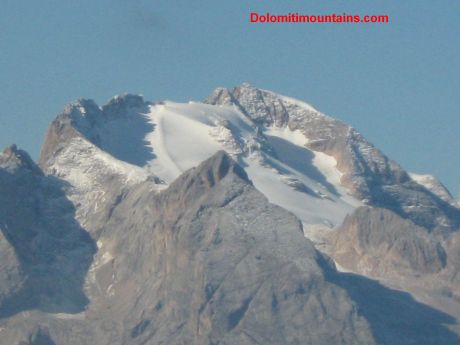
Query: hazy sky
x,y
397,83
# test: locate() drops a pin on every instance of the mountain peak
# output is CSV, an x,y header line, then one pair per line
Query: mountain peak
x,y
218,166
83,105
13,159
434,186
262,106
85,112
82,113
83,118
246,85
124,102
11,150
219,176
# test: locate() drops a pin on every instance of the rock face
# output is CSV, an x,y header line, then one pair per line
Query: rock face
x,y
411,223
452,271
79,150
209,261
214,248
378,242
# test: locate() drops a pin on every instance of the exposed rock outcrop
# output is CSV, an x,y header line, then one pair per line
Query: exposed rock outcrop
x,y
377,242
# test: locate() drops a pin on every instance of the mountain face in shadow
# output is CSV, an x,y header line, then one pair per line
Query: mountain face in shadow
x,y
119,128
394,316
51,252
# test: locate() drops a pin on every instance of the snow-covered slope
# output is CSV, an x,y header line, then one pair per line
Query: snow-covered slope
x,y
368,173
181,136
315,166
289,174
133,140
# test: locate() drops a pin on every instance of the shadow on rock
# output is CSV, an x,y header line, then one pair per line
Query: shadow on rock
x,y
395,317
51,253
125,117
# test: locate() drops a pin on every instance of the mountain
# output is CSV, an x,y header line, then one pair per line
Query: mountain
x,y
221,222
435,186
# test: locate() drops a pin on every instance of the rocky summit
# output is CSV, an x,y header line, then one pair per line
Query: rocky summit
x,y
249,218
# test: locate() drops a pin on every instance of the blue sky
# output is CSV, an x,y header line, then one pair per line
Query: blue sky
x,y
397,83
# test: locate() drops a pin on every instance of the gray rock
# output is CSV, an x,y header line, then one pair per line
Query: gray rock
x,y
46,253
207,261
220,265
377,242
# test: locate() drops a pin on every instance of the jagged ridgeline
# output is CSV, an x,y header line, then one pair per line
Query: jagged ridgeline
x,y
221,222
